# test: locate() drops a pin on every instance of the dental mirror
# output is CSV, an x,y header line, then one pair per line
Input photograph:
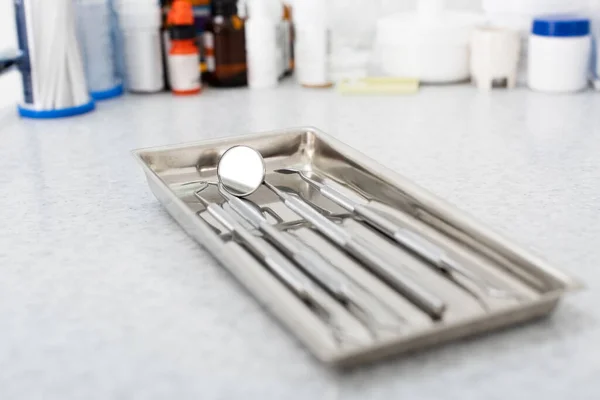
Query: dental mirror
x,y
241,170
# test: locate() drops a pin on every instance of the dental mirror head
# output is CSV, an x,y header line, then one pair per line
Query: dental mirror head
x,y
241,170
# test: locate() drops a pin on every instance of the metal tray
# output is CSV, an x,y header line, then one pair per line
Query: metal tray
x,y
175,172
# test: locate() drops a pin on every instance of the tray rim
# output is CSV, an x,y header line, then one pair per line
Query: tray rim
x,y
547,301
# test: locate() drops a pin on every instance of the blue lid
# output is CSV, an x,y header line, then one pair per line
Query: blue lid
x,y
561,26
59,113
107,94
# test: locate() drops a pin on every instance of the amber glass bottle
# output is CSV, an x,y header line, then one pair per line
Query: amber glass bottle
x,y
225,46
287,17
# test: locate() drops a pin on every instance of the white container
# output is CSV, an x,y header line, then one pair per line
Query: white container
x,y
312,49
594,13
559,54
140,22
52,70
494,56
263,52
94,34
353,24
430,44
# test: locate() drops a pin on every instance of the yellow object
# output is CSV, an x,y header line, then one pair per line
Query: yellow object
x,y
378,85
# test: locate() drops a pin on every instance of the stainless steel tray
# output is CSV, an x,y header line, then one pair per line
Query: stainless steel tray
x,y
175,172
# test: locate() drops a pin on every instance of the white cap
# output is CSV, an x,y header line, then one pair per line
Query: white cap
x,y
270,9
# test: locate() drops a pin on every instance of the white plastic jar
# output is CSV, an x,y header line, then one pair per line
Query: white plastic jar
x,y
559,54
430,44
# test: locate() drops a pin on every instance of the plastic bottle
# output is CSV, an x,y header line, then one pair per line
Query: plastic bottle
x,y
263,45
94,28
559,54
225,46
117,39
183,58
312,43
140,22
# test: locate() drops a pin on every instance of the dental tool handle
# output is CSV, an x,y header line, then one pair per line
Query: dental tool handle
x,y
422,247
330,193
287,272
279,265
413,291
322,271
430,252
337,197
310,262
328,228
412,241
424,299
222,217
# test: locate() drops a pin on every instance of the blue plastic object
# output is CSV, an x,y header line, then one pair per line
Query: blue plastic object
x,y
561,26
61,113
8,58
107,94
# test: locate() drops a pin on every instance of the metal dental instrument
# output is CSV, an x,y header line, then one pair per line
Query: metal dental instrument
x,y
423,248
300,284
250,180
334,281
241,172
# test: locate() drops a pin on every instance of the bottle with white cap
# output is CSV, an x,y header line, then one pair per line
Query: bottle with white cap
x,y
559,54
312,48
262,44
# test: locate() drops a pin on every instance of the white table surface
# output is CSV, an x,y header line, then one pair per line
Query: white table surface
x,y
103,296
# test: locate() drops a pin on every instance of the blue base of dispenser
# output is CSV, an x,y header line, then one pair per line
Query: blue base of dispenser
x,y
107,94
61,113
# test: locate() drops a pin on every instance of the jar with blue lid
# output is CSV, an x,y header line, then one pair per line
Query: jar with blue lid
x,y
559,54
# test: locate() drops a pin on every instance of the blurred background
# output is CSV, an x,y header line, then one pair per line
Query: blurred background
x,y
146,46
10,87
